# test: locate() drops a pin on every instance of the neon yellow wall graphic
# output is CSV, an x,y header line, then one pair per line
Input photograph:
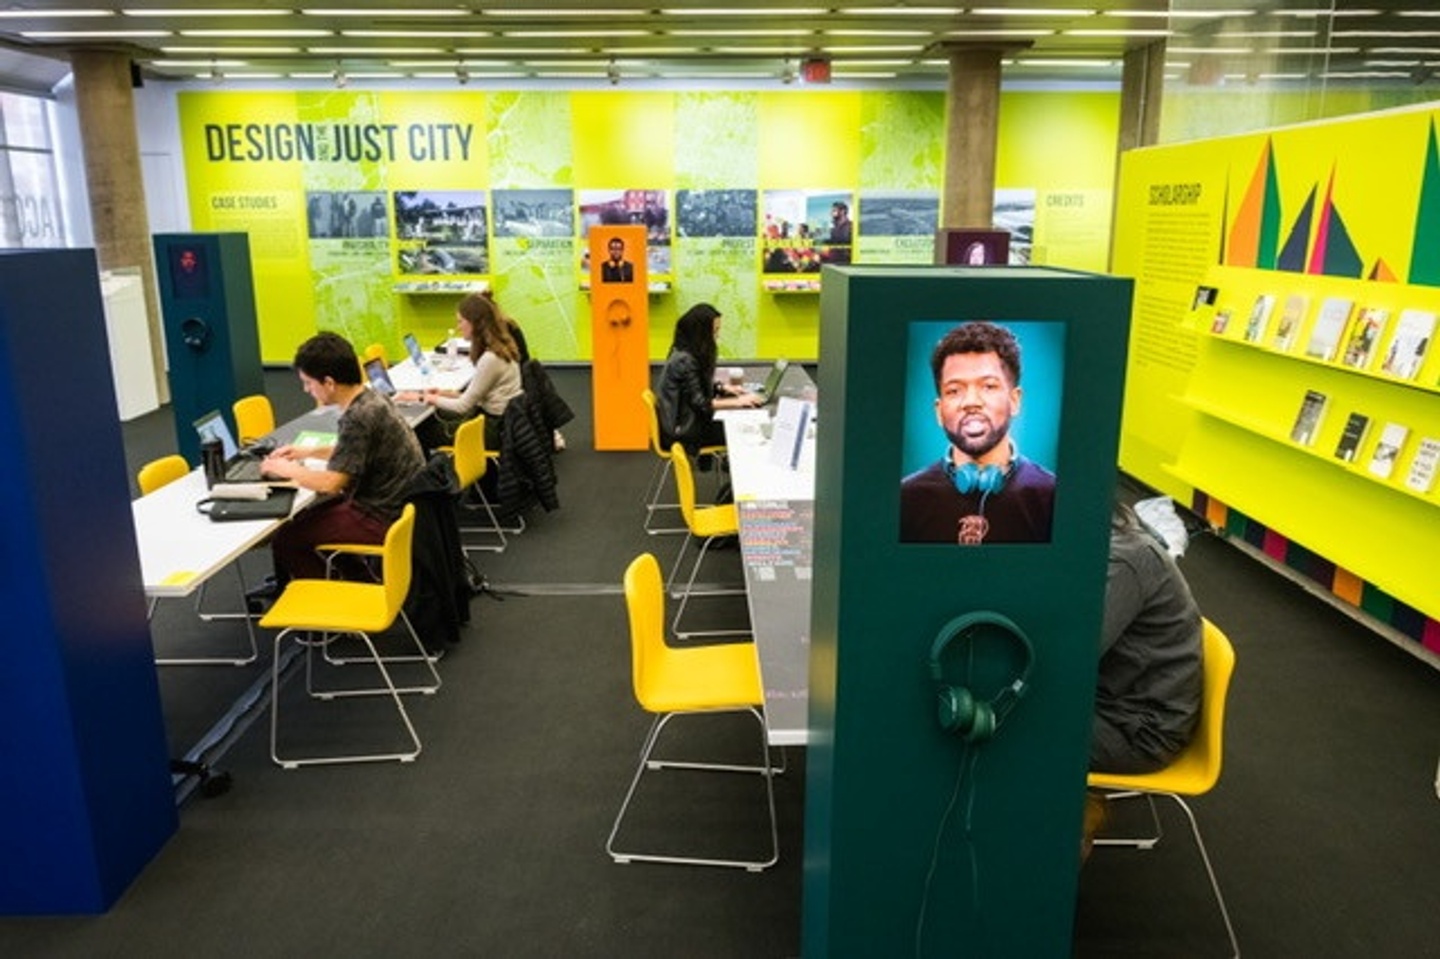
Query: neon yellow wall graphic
x,y
276,165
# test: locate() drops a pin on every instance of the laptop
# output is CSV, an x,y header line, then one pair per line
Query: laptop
x,y
380,381
241,466
417,353
769,390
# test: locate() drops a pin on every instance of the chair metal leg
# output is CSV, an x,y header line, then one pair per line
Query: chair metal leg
x,y
690,591
249,620
421,656
658,475
647,764
1209,871
494,527
295,762
1135,842
1148,842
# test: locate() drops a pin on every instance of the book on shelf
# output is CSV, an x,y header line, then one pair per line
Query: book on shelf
x,y
1259,318
1290,319
1387,449
1353,434
1364,336
1409,343
1221,321
1329,325
1307,420
1423,467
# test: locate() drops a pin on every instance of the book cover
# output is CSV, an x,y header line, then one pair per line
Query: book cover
x,y
1329,325
1290,319
1407,347
1364,336
1259,317
1307,421
1220,323
1356,426
1387,449
1422,468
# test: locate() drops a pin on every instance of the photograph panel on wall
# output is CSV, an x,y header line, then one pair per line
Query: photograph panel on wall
x,y
802,230
899,226
442,232
716,212
647,208
1015,213
534,213
346,214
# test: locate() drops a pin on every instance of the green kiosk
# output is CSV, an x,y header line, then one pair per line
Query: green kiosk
x,y
961,539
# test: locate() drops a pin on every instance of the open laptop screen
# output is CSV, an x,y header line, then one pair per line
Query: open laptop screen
x,y
212,426
417,355
379,377
772,382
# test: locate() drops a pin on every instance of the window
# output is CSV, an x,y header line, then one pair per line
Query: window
x,y
29,190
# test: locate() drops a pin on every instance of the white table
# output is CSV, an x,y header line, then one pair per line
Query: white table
x,y
446,373
180,547
777,512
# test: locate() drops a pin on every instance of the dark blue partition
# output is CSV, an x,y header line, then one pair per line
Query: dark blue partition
x,y
86,799
207,302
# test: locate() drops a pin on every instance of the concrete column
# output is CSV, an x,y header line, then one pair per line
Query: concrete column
x,y
1141,82
105,106
972,111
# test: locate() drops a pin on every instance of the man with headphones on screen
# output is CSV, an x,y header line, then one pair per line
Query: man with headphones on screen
x,y
982,490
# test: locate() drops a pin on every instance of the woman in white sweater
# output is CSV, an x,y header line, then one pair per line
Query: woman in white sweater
x,y
496,380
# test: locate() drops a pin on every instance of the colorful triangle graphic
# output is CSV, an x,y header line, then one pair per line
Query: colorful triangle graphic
x,y
1292,254
1334,253
1244,245
1425,250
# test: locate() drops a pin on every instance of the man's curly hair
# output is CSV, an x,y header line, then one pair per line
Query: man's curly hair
x,y
977,337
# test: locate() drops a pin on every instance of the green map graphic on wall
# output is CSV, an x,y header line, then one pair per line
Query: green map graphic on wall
x,y
891,155
534,263
350,271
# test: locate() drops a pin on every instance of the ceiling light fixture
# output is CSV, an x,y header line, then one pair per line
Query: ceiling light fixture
x,y
462,75
341,80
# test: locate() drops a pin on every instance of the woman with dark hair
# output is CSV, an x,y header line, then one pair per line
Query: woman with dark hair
x,y
496,380
688,395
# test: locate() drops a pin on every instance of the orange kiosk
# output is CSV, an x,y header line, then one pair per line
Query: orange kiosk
x,y
620,337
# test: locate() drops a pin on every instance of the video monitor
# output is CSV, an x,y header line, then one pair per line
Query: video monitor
x,y
955,247
982,431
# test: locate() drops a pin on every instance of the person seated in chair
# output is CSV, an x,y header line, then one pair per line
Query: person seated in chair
x,y
1149,681
496,380
688,395
366,475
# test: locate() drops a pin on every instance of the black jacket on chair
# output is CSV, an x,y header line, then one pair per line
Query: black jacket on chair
x,y
525,473
439,600
553,409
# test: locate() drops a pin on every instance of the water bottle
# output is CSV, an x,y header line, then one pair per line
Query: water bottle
x,y
452,349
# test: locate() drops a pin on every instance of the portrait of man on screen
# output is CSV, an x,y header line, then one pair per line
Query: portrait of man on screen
x,y
982,489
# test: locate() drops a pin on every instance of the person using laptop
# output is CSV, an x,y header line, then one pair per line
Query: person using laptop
x,y
366,473
496,380
688,395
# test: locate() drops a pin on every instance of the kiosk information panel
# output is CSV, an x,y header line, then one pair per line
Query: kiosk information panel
x,y
959,584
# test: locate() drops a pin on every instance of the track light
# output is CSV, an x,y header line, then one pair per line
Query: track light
x,y
462,75
612,73
341,80
787,74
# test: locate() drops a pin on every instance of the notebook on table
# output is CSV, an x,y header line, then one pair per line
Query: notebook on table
x,y
241,466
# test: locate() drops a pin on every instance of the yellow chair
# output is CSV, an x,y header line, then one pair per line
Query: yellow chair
x,y
375,351
152,476
315,611
703,523
1194,772
671,681
472,462
161,472
661,470
254,417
